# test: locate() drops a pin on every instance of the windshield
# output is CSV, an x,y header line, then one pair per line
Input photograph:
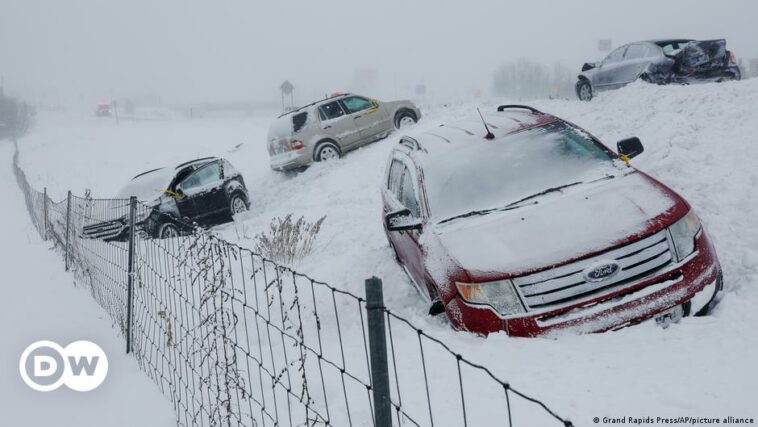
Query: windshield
x,y
495,174
149,186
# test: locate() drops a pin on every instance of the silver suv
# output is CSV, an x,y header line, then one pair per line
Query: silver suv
x,y
329,128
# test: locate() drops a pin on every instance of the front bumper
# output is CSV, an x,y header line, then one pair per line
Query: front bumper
x,y
686,282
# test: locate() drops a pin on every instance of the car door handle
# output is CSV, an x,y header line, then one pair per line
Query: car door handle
x,y
357,117
327,127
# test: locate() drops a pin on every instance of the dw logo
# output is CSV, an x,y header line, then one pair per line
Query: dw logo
x,y
81,366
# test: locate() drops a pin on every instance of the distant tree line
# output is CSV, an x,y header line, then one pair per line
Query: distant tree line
x,y
16,117
527,79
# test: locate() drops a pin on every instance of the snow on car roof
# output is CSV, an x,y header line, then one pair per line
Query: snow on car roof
x,y
450,136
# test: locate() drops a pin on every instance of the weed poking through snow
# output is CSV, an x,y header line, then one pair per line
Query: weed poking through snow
x,y
288,241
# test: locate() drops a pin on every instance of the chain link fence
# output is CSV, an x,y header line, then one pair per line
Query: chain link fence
x,y
234,339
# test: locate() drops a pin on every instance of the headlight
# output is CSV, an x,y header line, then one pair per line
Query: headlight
x,y
500,295
683,233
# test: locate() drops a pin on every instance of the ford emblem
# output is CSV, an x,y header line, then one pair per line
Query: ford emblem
x,y
601,271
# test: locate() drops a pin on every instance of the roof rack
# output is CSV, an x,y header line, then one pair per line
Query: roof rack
x,y
523,107
312,104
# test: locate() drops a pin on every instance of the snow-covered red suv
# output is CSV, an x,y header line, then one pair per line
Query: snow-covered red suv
x,y
530,225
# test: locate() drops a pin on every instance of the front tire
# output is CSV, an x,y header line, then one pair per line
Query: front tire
x,y
405,119
167,230
584,90
327,151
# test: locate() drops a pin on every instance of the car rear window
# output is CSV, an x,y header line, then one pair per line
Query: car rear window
x,y
299,120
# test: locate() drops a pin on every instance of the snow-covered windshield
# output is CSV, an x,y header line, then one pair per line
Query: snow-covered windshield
x,y
493,174
148,186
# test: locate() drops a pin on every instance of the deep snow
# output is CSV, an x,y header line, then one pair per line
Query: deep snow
x,y
699,140
40,302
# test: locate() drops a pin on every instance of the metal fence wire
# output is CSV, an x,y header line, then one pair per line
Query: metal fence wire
x,y
234,339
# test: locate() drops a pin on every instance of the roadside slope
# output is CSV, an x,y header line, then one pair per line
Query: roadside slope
x,y
40,302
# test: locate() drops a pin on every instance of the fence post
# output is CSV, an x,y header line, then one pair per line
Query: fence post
x,y
130,277
380,380
68,225
44,210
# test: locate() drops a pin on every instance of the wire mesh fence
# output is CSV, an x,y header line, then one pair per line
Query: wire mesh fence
x,y
234,339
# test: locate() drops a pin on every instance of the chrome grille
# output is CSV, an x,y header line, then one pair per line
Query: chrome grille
x,y
103,230
566,284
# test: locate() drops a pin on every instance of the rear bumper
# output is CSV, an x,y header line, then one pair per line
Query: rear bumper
x,y
694,280
291,160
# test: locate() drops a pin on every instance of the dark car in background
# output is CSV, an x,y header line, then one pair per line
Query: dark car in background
x,y
659,61
205,192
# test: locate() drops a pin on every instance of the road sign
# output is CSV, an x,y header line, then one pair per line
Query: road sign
x,y
287,87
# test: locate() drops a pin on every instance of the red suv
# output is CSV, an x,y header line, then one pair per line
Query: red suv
x,y
523,222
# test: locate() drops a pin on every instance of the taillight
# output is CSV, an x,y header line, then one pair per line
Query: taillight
x,y
732,58
296,144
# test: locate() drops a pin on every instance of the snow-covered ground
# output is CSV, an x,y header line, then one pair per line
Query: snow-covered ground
x,y
40,302
699,140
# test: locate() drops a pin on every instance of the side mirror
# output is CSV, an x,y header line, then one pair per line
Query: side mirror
x,y
629,148
589,66
402,220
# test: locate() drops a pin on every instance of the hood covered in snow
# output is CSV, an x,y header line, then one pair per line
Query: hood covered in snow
x,y
560,227
148,186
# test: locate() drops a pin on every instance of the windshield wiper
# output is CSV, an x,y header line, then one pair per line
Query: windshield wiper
x,y
515,205
543,192
484,212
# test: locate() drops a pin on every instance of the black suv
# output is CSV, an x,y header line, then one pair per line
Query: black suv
x,y
205,192
659,61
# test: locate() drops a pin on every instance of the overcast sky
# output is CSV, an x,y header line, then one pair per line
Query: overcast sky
x,y
241,50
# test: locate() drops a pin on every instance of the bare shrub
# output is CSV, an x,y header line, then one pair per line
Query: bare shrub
x,y
287,241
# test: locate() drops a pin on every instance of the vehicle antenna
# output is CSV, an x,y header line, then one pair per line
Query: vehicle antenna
x,y
489,135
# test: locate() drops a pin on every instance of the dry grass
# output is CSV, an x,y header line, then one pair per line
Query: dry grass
x,y
288,241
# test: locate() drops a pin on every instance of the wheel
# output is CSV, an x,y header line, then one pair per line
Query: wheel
x,y
168,230
327,151
708,308
584,90
237,204
405,119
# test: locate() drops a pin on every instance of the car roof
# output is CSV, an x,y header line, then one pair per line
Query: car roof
x,y
661,42
453,135
332,97
197,162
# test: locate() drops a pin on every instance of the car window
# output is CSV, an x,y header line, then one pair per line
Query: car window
x,y
205,175
330,111
298,121
408,193
673,47
636,51
615,56
393,182
487,176
356,103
